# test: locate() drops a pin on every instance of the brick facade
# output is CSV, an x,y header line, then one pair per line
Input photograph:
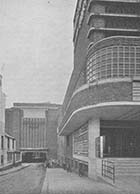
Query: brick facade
x,y
92,95
106,62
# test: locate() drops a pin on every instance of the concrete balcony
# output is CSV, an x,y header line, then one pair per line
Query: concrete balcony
x,y
109,1
111,15
104,101
121,31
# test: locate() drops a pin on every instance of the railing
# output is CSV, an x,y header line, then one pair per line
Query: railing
x,y
108,169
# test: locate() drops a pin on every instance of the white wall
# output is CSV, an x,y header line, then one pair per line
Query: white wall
x,y
34,113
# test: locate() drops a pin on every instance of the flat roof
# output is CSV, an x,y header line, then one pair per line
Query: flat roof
x,y
36,105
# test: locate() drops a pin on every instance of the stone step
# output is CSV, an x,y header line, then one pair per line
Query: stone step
x,y
128,170
125,162
128,166
127,174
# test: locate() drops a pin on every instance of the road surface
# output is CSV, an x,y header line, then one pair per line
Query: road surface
x,y
25,181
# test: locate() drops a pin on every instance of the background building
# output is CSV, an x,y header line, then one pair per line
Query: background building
x,y
100,116
13,124
9,156
3,152
34,126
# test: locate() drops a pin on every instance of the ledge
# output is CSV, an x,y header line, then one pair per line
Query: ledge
x,y
93,94
111,15
83,158
112,41
110,1
104,111
112,29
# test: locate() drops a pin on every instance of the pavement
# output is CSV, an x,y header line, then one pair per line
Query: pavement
x,y
14,169
58,181
23,181
131,184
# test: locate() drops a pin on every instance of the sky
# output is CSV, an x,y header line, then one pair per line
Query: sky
x,y
36,49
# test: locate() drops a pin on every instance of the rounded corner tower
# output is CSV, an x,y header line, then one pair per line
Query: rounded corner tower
x,y
101,109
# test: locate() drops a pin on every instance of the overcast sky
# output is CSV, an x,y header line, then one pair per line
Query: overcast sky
x,y
36,49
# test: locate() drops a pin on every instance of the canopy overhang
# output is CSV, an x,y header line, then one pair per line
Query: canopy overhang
x,y
103,111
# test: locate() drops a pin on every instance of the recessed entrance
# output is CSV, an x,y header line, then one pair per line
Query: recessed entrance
x,y
33,157
121,142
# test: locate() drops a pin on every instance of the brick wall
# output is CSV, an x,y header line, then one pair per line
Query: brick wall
x,y
107,92
80,50
97,8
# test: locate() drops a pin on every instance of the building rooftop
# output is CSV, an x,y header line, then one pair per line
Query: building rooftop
x,y
36,105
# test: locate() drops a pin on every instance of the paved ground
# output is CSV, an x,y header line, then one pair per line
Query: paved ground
x,y
58,181
34,179
24,181
14,169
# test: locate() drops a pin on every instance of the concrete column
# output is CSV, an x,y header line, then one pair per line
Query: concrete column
x,y
93,132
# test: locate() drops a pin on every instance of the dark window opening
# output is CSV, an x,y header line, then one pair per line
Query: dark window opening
x,y
2,142
68,140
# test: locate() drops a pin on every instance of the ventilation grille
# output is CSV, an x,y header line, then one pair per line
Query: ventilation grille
x,y
136,91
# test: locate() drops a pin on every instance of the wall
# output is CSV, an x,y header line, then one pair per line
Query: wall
x,y
94,94
33,133
34,112
51,133
61,149
3,152
94,132
13,124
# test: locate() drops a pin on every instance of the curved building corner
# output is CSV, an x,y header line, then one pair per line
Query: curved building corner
x,y
101,111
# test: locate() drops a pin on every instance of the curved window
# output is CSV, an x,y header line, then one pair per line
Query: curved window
x,y
80,141
114,61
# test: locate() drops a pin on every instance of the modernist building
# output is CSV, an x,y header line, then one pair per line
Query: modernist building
x,y
101,109
34,126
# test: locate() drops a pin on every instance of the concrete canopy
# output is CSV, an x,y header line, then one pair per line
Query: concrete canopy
x,y
102,111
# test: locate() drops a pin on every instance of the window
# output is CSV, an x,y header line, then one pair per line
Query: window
x,y
113,61
136,90
2,159
80,141
8,143
13,142
2,142
68,140
9,156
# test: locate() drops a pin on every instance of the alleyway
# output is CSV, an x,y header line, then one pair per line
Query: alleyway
x,y
58,181
25,181
34,179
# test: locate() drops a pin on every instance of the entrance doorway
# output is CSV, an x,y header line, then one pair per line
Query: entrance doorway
x,y
121,142
33,157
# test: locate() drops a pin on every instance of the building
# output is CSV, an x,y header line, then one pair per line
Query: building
x,y
2,125
35,128
100,117
13,124
13,157
9,156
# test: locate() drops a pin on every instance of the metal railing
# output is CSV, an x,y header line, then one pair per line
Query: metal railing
x,y
108,169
